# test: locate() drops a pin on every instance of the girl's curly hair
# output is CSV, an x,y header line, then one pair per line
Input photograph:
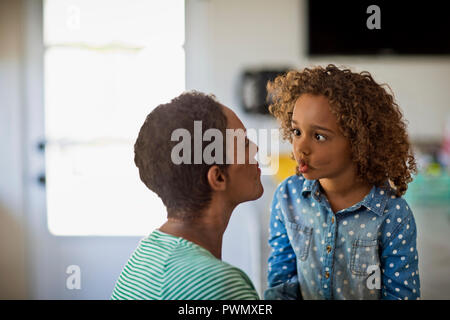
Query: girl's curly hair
x,y
366,113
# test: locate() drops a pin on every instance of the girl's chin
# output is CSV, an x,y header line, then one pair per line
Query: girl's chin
x,y
310,175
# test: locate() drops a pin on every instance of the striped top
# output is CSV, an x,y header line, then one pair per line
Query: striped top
x,y
165,267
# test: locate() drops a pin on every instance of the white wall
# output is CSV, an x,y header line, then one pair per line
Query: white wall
x,y
225,36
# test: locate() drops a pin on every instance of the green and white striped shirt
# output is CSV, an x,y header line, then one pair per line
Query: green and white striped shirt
x,y
165,267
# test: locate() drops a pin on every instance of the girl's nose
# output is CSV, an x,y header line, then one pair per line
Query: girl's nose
x,y
302,146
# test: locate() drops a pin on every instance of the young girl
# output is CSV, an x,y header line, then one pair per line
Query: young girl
x,y
339,228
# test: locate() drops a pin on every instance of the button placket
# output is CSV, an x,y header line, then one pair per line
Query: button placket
x,y
328,261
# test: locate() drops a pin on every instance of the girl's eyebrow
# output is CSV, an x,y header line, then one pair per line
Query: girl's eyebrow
x,y
316,127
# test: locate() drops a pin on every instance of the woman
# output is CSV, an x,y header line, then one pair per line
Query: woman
x,y
182,259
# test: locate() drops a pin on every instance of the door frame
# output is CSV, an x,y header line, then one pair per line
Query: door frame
x,y
100,258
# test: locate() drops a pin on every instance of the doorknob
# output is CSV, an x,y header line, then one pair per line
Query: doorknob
x,y
41,145
41,179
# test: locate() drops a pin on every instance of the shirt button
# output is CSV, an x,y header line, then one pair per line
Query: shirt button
x,y
327,274
332,220
328,249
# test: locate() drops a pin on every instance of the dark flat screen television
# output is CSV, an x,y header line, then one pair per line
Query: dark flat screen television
x,y
405,27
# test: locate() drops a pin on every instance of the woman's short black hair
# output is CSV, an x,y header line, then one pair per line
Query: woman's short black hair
x,y
183,188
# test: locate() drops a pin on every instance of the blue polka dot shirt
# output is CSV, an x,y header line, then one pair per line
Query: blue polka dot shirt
x,y
367,251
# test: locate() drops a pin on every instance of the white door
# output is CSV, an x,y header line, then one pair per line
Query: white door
x,y
93,70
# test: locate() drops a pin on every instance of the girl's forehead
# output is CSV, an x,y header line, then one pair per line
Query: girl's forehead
x,y
316,110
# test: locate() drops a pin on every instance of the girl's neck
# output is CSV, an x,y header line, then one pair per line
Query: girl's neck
x,y
345,191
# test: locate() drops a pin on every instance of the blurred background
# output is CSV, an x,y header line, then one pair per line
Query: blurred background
x,y
78,77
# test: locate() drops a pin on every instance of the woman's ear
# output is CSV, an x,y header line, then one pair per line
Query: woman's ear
x,y
216,178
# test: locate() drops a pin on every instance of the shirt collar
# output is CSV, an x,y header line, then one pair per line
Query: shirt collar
x,y
310,186
375,201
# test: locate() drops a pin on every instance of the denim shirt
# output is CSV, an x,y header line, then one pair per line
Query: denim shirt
x,y
367,251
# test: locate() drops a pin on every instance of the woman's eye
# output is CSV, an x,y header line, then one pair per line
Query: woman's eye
x,y
296,132
320,137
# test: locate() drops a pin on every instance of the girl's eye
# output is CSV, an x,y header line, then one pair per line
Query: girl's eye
x,y
296,132
320,137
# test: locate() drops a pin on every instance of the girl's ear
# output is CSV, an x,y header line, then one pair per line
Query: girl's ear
x,y
216,178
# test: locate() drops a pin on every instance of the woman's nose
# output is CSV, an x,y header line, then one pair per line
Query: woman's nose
x,y
253,148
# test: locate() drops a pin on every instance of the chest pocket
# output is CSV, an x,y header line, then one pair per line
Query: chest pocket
x,y
300,238
364,254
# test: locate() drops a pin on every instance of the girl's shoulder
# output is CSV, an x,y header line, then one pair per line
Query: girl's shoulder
x,y
397,217
396,206
397,211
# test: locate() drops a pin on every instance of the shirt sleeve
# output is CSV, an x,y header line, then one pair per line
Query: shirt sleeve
x,y
282,261
286,291
233,285
399,261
